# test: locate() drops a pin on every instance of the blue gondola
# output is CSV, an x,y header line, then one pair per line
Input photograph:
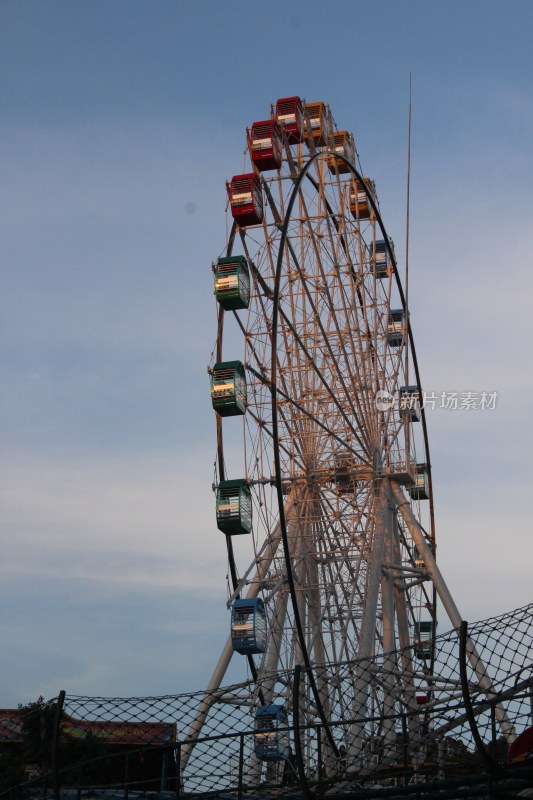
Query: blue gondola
x,y
381,259
395,327
410,403
271,743
248,626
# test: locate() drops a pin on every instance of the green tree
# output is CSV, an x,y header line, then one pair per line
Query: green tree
x,y
32,758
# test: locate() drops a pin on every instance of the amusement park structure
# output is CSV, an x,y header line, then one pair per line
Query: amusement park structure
x,y
323,476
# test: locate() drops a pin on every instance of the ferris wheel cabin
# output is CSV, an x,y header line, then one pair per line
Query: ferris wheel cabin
x,y
232,283
271,743
344,473
381,259
248,626
410,403
290,117
264,140
246,199
349,473
395,327
228,388
359,203
423,640
343,143
420,490
317,123
417,557
234,507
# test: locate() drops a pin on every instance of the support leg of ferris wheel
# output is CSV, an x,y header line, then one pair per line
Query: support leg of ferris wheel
x,y
447,601
394,610
210,697
389,643
406,653
329,758
385,553
363,678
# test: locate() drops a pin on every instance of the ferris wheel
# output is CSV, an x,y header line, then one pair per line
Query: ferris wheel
x,y
329,413
322,479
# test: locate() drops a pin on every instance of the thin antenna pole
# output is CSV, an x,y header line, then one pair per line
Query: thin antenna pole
x,y
407,235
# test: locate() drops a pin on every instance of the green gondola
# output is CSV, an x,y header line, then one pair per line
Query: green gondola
x,y
228,388
420,488
232,283
234,507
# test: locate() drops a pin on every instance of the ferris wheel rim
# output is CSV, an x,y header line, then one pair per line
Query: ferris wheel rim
x,y
273,365
273,295
298,180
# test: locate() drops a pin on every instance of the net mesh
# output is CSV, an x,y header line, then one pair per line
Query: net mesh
x,y
206,743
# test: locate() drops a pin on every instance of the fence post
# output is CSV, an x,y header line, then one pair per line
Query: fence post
x,y
492,767
405,743
178,770
126,776
55,745
241,764
494,750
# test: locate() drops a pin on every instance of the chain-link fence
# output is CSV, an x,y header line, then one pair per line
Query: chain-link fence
x,y
435,721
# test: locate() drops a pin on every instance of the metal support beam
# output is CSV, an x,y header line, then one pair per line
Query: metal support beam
x,y
447,601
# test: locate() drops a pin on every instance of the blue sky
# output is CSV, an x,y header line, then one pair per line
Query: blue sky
x,y
121,122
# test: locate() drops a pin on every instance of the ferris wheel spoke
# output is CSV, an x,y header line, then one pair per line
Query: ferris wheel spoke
x,y
287,452
261,376
319,374
305,412
338,316
316,315
292,390
360,355
348,394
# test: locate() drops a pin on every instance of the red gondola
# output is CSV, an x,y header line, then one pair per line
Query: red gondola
x,y
265,144
246,199
290,115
